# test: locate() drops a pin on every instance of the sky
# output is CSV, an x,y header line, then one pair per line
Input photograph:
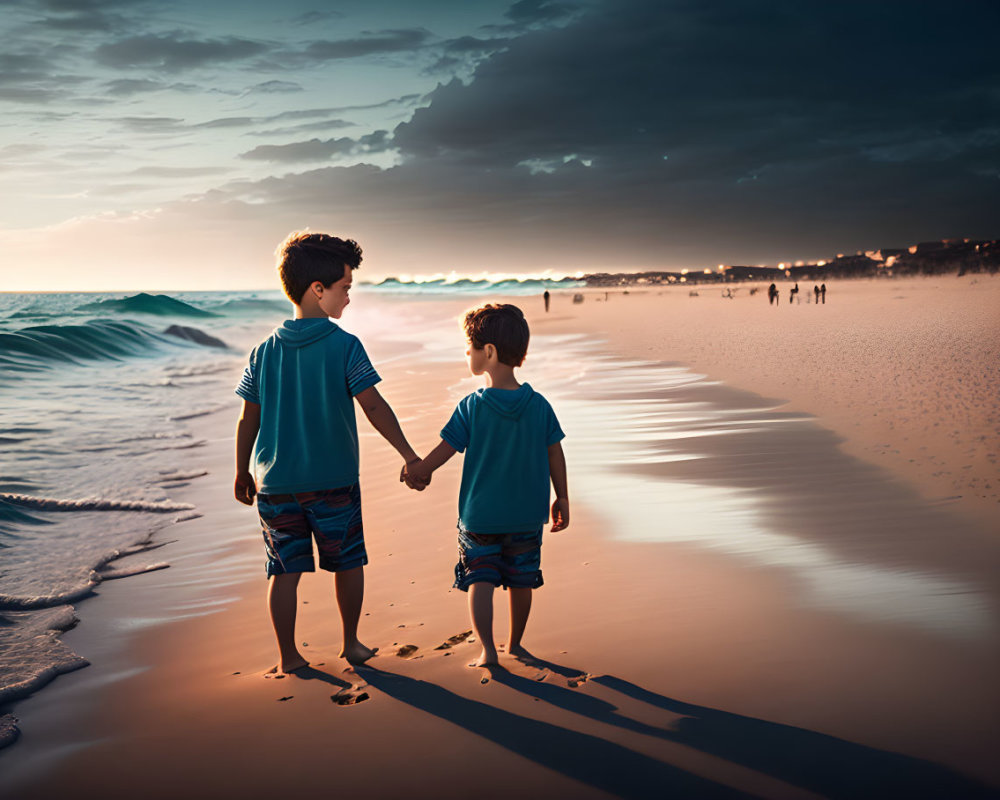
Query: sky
x,y
168,144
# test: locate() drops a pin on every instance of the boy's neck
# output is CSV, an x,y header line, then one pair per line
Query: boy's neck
x,y
501,376
308,310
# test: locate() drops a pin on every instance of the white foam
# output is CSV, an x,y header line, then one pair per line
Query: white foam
x,y
93,504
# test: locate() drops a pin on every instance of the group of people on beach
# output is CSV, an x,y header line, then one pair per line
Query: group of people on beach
x,y
772,293
297,454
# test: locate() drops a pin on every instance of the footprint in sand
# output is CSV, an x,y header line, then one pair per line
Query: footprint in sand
x,y
458,638
406,651
349,697
283,699
578,680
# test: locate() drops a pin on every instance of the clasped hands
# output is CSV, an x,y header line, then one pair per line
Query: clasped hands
x,y
414,477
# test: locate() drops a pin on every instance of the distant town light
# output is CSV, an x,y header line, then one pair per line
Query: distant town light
x,y
820,263
781,265
684,272
708,271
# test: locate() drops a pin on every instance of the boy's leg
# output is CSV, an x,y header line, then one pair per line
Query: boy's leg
x,y
520,607
282,602
350,589
481,611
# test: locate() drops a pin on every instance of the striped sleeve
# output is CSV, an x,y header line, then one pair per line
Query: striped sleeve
x,y
360,372
247,388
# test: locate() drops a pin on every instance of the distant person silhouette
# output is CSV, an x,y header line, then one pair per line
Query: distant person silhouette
x,y
546,297
772,294
822,293
816,292
792,293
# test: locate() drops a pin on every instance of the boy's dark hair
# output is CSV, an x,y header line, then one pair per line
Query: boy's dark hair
x,y
304,258
501,325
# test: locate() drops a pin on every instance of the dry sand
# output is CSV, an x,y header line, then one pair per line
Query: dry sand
x,y
666,668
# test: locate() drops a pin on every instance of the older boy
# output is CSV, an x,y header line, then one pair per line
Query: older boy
x,y
511,439
298,422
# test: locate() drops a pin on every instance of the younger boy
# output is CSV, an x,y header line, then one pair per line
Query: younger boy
x,y
511,440
298,422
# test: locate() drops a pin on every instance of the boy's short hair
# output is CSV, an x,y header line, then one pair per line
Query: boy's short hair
x,y
304,258
501,325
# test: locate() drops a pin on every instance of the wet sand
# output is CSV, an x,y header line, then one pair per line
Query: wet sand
x,y
744,603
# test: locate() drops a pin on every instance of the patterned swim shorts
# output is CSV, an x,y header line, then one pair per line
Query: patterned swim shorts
x,y
503,559
332,517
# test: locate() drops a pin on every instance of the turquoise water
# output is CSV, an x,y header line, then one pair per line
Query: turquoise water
x,y
94,391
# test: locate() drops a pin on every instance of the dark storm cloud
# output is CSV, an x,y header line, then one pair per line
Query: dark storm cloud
x,y
175,51
318,150
699,95
465,52
646,133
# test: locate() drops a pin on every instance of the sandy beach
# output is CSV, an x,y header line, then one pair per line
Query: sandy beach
x,y
780,579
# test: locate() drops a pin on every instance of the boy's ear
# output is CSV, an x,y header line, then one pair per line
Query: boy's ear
x,y
490,351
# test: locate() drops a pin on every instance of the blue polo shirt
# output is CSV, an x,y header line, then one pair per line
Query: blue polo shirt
x,y
304,377
505,435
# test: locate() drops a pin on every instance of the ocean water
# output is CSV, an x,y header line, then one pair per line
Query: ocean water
x,y
94,392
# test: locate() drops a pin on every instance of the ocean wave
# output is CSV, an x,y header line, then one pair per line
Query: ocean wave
x,y
254,305
161,305
90,504
40,347
195,335
507,285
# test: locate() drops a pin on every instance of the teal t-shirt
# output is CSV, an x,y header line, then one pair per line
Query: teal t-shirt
x,y
304,377
505,435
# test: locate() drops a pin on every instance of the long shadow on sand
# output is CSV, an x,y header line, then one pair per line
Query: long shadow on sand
x,y
580,756
813,761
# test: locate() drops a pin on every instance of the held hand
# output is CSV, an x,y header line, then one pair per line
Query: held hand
x,y
560,515
410,475
244,488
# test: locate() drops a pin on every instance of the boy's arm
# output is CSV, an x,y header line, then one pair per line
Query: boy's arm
x,y
418,475
382,418
246,434
557,469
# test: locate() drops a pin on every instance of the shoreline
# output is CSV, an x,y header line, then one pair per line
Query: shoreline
x,y
661,700
901,439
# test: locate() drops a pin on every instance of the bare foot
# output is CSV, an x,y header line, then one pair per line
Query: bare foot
x,y
486,659
283,668
518,651
357,653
